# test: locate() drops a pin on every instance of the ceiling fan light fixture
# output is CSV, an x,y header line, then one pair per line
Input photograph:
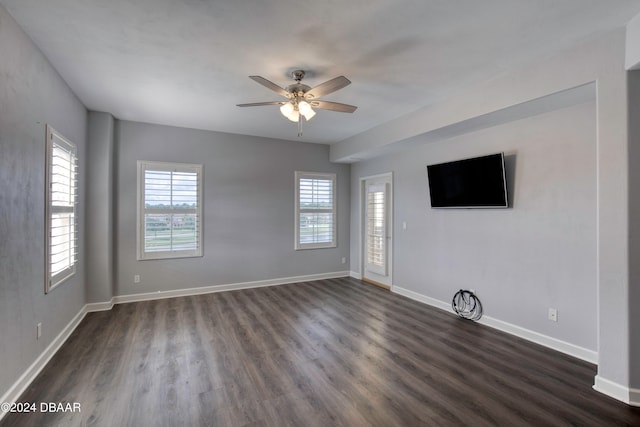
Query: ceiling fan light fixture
x,y
304,107
309,115
294,116
286,109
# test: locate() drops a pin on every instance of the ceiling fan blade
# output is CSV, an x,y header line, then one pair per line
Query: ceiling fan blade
x,y
327,87
333,106
258,104
270,85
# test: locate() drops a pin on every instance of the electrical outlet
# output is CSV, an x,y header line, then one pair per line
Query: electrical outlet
x,y
38,330
344,260
136,278
553,314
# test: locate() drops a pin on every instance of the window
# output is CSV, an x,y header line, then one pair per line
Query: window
x,y
60,206
169,210
315,210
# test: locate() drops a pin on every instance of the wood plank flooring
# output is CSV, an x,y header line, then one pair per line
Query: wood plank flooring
x,y
322,353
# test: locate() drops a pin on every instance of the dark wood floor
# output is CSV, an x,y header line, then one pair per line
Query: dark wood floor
x,y
323,353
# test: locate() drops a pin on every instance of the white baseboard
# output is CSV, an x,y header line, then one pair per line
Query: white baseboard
x,y
422,298
99,306
16,390
545,340
221,288
576,351
630,396
634,397
355,275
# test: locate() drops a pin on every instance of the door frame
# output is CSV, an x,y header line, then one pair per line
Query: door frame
x,y
363,230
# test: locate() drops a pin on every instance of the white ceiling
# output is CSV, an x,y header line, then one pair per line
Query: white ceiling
x,y
186,62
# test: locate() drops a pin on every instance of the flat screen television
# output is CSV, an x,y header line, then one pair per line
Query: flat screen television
x,y
470,183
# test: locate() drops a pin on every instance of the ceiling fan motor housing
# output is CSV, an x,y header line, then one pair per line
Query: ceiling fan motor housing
x,y
297,90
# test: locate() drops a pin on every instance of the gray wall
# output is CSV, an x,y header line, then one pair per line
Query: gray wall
x,y
99,224
248,208
32,94
634,227
538,254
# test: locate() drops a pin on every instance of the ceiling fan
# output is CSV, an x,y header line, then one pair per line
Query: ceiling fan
x,y
302,99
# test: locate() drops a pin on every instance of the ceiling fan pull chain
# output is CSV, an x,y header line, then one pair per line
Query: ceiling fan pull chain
x,y
300,126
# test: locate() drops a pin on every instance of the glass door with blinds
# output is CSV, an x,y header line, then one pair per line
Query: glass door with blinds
x,y
377,230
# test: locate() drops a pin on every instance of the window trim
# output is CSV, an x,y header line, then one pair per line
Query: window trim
x,y
334,211
53,137
144,165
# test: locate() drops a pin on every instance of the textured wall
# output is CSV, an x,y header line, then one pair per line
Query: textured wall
x,y
538,254
99,224
634,228
248,208
32,94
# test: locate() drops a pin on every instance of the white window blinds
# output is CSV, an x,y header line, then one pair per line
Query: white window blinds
x,y
376,237
315,210
61,198
169,210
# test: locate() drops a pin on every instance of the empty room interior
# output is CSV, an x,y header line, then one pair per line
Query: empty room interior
x,y
319,213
